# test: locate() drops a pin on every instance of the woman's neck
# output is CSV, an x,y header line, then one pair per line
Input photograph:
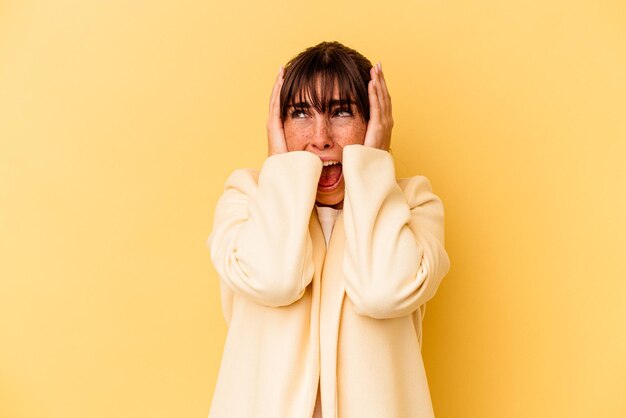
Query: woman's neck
x,y
335,206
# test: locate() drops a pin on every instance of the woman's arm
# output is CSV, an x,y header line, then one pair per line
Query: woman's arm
x,y
260,243
395,256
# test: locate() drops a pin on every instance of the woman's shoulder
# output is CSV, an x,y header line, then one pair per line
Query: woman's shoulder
x,y
417,189
243,179
417,181
244,174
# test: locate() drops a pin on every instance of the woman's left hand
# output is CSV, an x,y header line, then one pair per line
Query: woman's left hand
x,y
379,127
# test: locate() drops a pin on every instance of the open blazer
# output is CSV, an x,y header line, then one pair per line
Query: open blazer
x,y
350,314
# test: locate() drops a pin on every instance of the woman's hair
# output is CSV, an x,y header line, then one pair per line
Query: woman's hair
x,y
330,62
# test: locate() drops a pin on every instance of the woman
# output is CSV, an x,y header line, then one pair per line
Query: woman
x,y
325,259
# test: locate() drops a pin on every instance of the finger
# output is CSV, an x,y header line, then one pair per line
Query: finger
x,y
379,90
275,100
373,100
275,88
383,83
275,120
275,133
384,95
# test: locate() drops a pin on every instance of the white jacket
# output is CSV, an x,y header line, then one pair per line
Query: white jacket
x,y
349,314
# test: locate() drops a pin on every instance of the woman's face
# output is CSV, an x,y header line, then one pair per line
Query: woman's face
x,y
325,135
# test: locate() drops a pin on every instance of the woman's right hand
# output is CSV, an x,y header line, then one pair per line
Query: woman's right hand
x,y
276,142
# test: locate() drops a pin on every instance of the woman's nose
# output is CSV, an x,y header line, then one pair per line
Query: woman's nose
x,y
322,137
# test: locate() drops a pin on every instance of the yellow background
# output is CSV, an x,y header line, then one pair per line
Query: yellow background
x,y
120,121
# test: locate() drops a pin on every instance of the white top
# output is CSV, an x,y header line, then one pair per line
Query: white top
x,y
327,217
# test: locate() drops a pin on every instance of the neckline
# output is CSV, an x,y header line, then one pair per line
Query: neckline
x,y
328,208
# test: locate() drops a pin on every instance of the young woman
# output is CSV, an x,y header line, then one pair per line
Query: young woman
x,y
325,259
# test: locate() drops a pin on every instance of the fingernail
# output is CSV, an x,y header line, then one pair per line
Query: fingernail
x,y
380,66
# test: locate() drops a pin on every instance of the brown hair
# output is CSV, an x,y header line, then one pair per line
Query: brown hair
x,y
330,61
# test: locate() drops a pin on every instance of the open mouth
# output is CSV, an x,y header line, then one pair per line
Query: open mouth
x,y
331,177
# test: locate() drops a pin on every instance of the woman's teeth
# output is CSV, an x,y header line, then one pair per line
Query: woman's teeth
x,y
327,163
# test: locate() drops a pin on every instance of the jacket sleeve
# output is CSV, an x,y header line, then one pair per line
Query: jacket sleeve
x,y
394,257
260,244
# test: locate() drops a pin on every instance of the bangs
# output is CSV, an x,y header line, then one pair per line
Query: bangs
x,y
316,88
312,79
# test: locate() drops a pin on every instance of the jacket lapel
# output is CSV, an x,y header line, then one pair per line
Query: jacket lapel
x,y
328,296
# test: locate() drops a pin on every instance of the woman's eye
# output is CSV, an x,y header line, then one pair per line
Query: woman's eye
x,y
343,112
298,114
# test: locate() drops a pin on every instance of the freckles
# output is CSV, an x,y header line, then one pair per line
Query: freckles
x,y
353,135
296,138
